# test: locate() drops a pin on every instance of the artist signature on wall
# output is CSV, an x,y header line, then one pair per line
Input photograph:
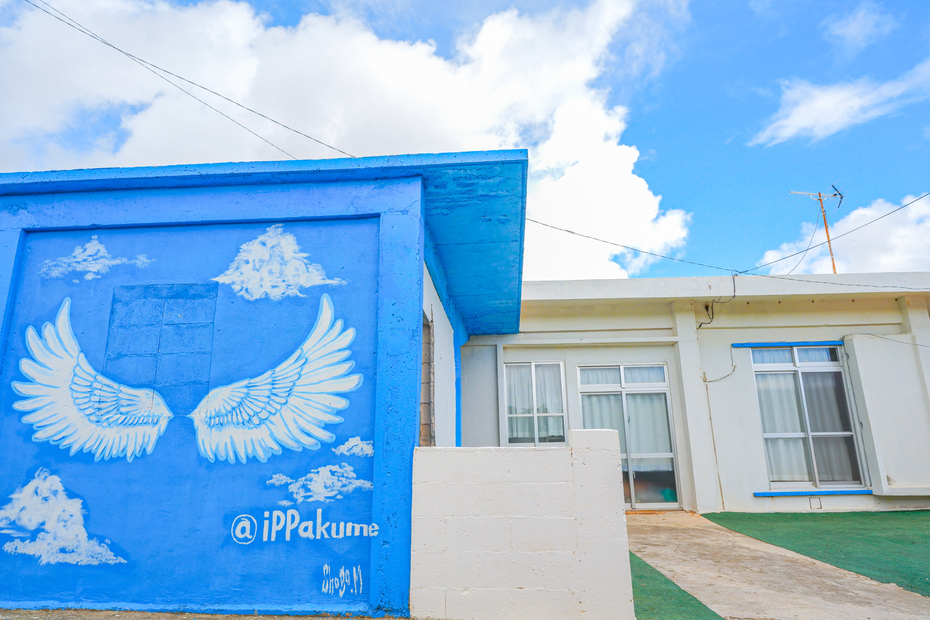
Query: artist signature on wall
x,y
347,580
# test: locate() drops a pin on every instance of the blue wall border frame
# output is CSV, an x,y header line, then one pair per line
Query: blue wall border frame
x,y
395,202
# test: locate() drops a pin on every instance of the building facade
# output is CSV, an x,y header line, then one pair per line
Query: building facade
x,y
744,393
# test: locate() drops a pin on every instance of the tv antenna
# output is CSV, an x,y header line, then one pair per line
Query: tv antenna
x,y
820,198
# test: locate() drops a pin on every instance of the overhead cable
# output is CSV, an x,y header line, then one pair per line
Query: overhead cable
x,y
155,69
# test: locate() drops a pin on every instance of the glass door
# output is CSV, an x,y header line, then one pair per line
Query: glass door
x,y
647,453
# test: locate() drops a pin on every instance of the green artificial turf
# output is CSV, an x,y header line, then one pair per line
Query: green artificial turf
x,y
655,597
891,547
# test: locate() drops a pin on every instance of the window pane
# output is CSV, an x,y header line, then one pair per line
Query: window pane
x,y
551,428
771,356
604,411
836,459
826,402
600,376
779,402
818,354
549,388
644,374
519,388
788,461
648,415
654,480
520,429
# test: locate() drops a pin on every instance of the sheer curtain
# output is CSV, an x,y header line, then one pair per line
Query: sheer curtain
x,y
519,401
780,403
648,415
600,376
604,411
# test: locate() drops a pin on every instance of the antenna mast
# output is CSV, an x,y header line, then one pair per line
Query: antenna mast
x,y
819,197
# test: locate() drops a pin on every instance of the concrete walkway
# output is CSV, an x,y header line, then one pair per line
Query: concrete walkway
x,y
742,578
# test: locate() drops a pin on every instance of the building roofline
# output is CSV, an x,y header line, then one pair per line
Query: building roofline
x,y
717,287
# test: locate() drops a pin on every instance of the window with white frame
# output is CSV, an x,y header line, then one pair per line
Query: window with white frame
x,y
634,400
535,403
806,418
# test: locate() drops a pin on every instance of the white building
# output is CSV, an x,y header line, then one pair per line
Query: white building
x,y
745,393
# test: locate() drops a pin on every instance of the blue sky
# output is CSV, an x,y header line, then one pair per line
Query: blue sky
x,y
672,126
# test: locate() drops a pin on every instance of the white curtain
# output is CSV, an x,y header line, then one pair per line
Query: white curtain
x,y
549,388
826,402
771,356
779,402
818,354
600,376
519,389
788,461
836,459
604,411
551,428
648,416
644,374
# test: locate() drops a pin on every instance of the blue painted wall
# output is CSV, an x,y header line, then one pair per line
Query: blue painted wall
x,y
151,310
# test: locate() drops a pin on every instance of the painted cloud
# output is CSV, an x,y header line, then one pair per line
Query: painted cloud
x,y
322,485
91,258
273,266
355,447
43,506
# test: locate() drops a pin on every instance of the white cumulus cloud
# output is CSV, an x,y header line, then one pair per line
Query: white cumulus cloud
x,y
355,447
325,484
897,242
273,266
515,80
49,525
91,258
815,111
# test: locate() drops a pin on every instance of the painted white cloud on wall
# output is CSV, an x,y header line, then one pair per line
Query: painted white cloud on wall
x,y
49,525
516,80
355,447
273,266
895,243
91,259
324,484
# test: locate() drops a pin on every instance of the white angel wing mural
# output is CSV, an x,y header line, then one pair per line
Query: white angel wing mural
x,y
73,406
284,407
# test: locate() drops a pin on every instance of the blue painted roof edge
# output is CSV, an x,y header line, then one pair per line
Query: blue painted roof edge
x,y
247,173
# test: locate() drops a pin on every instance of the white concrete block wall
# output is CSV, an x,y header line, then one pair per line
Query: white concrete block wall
x,y
531,533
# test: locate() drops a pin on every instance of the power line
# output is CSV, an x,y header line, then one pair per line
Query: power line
x,y
153,68
778,260
630,248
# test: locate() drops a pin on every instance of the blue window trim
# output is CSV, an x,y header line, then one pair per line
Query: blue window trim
x,y
810,343
813,492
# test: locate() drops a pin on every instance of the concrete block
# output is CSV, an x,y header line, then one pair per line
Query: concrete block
x,y
428,534
547,603
540,465
603,439
478,533
443,570
470,465
604,587
538,499
428,603
526,570
544,533
481,604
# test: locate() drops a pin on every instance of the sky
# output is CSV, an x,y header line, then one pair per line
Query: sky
x,y
677,129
